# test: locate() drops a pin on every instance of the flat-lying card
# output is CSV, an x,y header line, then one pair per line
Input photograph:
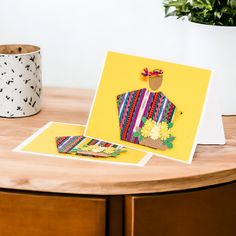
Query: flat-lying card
x,y
81,145
43,143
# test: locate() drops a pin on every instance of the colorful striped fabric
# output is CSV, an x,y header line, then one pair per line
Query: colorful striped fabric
x,y
67,144
133,106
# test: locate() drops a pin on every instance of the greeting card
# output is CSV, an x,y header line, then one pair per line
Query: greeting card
x,y
150,105
62,140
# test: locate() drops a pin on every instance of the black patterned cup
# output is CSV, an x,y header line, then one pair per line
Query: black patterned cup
x,y
20,80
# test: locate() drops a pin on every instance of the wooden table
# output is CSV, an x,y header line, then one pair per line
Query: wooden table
x,y
49,196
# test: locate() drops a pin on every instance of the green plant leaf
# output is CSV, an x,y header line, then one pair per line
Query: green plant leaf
x,y
140,138
211,12
170,125
172,13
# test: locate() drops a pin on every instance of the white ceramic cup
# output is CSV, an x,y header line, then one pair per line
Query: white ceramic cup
x,y
20,80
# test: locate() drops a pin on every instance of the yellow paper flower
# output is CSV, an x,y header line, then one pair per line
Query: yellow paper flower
x,y
164,125
165,134
155,132
149,123
109,150
146,129
98,149
87,148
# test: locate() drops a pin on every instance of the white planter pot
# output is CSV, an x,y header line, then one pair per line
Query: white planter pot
x,y
214,47
20,80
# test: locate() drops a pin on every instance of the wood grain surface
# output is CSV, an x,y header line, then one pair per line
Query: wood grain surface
x,y
26,214
211,164
207,211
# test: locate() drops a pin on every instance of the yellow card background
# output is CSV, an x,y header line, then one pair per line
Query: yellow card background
x,y
185,86
45,143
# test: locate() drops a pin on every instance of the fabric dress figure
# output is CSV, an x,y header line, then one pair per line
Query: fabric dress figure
x,y
146,117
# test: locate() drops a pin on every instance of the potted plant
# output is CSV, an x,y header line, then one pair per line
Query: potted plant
x,y
211,42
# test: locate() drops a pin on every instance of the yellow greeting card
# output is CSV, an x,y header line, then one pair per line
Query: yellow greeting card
x,y
150,105
45,143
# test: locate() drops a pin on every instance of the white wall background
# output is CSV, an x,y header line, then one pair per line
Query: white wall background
x,y
76,34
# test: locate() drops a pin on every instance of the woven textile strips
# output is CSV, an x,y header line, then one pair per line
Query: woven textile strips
x,y
132,106
66,144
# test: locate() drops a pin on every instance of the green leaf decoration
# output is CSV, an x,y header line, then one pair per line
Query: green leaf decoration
x,y
114,154
170,125
165,142
136,134
74,150
144,119
169,145
122,150
171,138
140,138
